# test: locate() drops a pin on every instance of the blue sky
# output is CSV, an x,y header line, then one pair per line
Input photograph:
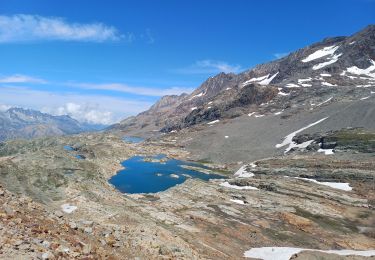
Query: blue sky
x,y
101,61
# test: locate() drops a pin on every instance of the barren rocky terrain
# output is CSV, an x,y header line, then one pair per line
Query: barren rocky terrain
x,y
195,220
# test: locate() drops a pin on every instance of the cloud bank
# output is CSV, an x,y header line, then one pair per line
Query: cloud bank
x,y
23,28
97,109
86,112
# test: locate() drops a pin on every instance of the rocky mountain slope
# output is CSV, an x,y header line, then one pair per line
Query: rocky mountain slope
x,y
27,123
339,66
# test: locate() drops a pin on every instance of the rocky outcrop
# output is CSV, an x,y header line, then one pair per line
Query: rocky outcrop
x,y
227,106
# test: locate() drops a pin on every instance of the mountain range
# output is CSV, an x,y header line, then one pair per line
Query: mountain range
x,y
340,68
27,123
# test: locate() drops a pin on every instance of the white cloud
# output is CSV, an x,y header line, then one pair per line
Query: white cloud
x,y
18,78
22,27
86,112
209,67
132,89
91,108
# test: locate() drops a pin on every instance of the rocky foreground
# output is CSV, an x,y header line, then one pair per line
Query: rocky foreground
x,y
54,205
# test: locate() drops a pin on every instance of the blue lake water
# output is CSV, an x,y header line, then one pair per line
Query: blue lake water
x,y
141,176
133,139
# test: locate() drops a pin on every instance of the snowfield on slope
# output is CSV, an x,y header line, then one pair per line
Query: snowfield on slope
x,y
264,80
367,72
288,140
321,53
329,62
335,185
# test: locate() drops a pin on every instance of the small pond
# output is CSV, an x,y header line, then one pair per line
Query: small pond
x,y
71,149
68,148
154,174
133,139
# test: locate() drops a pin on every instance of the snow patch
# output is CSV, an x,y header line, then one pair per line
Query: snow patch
x,y
328,84
255,80
67,208
282,93
364,98
193,108
243,173
198,95
226,137
228,185
268,80
329,62
264,80
253,165
285,253
370,71
304,80
324,102
213,122
292,85
336,185
321,53
325,75
250,114
288,140
238,201
326,151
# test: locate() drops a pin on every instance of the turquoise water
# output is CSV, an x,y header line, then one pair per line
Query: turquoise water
x,y
141,176
133,139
